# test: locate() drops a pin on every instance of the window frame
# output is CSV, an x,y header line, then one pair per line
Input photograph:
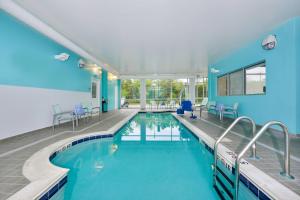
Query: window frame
x,y
245,79
227,75
227,84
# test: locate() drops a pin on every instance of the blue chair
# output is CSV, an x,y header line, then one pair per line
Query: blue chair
x,y
188,106
180,111
79,112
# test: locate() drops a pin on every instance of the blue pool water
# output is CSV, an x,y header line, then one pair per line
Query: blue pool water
x,y
152,157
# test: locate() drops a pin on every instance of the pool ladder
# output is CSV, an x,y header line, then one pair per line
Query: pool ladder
x,y
220,176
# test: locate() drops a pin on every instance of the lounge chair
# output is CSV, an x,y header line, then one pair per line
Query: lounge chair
x,y
59,116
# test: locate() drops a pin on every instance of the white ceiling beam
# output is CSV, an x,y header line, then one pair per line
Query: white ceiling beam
x,y
20,13
161,76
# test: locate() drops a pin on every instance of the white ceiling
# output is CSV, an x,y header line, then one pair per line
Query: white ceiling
x,y
161,36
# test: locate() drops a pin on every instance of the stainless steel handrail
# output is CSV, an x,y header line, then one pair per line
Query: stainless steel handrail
x,y
224,134
286,169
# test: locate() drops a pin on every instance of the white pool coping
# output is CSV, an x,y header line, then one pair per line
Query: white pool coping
x,y
269,185
42,174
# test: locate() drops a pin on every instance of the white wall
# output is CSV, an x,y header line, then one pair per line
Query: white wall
x,y
25,109
192,85
143,94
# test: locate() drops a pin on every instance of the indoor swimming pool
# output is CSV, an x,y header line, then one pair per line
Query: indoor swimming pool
x,y
152,157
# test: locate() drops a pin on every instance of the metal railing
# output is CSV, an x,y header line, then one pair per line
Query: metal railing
x,y
286,169
162,103
224,134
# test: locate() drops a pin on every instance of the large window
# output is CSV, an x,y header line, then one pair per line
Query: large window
x,y
236,82
245,81
222,85
256,79
164,91
201,89
131,92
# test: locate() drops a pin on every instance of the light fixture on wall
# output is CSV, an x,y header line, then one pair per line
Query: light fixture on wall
x,y
269,42
62,57
94,68
112,77
97,71
214,70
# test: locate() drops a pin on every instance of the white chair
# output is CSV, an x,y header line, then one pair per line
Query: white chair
x,y
204,102
228,110
59,116
208,105
91,109
172,104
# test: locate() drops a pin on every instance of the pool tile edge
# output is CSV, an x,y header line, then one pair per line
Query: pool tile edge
x,y
43,175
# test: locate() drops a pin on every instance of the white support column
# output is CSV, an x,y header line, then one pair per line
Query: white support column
x,y
192,85
143,94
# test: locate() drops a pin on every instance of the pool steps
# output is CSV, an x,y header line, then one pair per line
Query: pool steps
x,y
234,185
252,144
257,182
225,180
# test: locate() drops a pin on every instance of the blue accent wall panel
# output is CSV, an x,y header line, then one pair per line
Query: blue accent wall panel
x,y
112,84
27,59
108,90
297,29
280,100
104,84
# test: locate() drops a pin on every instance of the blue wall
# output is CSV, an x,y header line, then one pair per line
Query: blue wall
x,y
298,72
104,86
108,90
27,59
112,84
279,102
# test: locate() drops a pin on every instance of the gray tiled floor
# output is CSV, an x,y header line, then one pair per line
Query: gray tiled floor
x,y
11,177
269,149
12,180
